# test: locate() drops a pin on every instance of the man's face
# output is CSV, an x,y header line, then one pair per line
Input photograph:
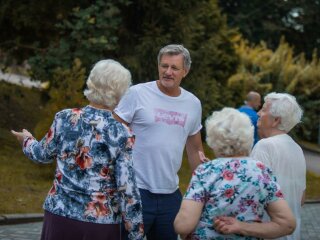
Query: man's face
x,y
171,72
266,121
257,102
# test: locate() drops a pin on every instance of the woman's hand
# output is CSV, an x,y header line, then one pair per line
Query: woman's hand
x,y
227,225
202,157
21,135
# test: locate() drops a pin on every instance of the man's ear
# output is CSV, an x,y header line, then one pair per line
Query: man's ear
x,y
186,71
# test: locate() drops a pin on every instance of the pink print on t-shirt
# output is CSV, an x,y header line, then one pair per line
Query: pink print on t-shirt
x,y
170,117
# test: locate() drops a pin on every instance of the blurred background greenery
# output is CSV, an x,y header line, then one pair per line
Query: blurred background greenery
x,y
236,46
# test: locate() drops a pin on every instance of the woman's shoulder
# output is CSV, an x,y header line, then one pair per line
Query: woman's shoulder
x,y
118,129
236,163
69,111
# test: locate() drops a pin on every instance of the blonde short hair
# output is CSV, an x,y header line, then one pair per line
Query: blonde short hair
x,y
229,132
107,83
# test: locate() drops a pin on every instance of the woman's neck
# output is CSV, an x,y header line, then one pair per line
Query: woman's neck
x,y
100,106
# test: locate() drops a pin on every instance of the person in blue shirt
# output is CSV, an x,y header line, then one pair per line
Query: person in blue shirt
x,y
252,104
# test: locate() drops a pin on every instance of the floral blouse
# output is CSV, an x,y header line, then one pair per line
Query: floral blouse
x,y
94,178
239,187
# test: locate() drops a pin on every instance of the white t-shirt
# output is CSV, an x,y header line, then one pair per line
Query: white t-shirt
x,y
161,125
285,157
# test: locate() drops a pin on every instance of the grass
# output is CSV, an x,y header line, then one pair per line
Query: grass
x,y
185,171
313,190
24,184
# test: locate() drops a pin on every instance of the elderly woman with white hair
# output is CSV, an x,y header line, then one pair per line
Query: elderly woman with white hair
x,y
94,188
233,190
281,113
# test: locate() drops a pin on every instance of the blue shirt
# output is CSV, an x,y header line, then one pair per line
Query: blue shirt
x,y
94,179
254,119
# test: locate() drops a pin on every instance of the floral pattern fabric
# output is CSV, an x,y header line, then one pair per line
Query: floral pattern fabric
x,y
94,178
240,188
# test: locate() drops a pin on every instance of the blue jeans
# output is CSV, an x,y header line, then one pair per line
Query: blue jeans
x,y
159,212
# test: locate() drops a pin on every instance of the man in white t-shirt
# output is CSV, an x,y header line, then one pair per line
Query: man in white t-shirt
x,y
164,118
279,114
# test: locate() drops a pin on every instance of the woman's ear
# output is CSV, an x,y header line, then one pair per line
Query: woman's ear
x,y
277,121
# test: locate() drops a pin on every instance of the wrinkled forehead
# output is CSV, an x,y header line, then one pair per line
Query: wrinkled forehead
x,y
176,59
172,54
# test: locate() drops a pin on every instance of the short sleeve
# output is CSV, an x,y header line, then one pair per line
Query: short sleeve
x,y
196,190
197,125
270,189
127,105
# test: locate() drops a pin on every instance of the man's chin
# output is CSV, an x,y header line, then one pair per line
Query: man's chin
x,y
167,82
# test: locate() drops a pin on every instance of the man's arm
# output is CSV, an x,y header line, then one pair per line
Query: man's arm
x,y
282,222
119,119
193,147
187,217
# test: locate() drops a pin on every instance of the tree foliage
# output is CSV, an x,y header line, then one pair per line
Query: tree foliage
x,y
133,32
27,27
296,20
89,34
65,38
199,26
281,70
67,92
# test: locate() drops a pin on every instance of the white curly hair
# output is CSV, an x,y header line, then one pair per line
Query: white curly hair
x,y
285,106
229,133
107,82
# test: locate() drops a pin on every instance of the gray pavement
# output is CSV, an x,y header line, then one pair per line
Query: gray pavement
x,y
26,231
310,221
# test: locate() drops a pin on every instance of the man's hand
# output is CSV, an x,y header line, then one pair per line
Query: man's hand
x,y
202,157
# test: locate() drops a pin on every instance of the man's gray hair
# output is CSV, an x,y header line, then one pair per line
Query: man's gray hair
x,y
229,133
175,49
285,106
107,82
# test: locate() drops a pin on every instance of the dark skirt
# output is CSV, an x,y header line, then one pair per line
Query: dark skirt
x,y
56,227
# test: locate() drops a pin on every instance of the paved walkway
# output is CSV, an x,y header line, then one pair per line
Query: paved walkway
x,y
28,231
310,221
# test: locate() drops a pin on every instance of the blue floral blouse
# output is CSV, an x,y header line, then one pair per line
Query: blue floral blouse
x,y
94,178
241,188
